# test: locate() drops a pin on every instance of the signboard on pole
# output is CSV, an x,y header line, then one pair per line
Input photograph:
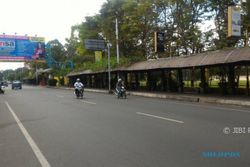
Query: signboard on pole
x,y
98,56
94,44
234,21
159,41
21,48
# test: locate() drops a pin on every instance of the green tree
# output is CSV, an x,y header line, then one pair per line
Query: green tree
x,y
57,50
1,76
72,43
181,19
9,75
219,9
138,19
136,25
246,20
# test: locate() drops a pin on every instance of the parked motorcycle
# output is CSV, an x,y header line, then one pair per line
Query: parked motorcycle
x,y
121,93
79,93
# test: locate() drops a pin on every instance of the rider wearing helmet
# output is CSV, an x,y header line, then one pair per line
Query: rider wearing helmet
x,y
119,84
1,85
78,85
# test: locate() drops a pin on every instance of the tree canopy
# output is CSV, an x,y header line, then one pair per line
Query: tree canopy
x,y
180,20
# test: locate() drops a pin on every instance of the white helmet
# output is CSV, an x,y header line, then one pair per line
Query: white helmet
x,y
78,79
119,80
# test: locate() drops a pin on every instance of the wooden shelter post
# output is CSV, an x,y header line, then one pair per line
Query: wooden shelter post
x,y
90,81
247,86
163,80
180,81
137,83
231,79
125,79
203,84
149,83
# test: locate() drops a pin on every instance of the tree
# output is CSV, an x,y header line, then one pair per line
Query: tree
x,y
246,20
138,20
72,43
57,50
219,9
181,19
1,76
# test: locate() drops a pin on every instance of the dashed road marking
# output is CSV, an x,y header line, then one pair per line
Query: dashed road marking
x,y
88,102
155,116
61,96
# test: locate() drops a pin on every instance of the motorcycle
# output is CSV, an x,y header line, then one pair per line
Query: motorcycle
x,y
79,93
121,93
2,89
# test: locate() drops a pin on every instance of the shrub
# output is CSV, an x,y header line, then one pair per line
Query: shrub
x,y
61,81
52,82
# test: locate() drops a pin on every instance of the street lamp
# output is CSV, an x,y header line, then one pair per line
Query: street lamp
x,y
117,40
117,36
109,75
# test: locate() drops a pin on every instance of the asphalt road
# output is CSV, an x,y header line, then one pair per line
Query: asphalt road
x,y
50,127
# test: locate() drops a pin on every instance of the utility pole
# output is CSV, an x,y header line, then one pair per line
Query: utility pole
x,y
109,75
117,40
246,38
36,75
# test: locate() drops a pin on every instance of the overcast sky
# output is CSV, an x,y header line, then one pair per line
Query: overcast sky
x,y
51,19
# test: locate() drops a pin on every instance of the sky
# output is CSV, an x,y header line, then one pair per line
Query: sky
x,y
51,19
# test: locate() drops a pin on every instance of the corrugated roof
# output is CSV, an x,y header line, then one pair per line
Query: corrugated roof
x,y
203,59
94,72
213,58
79,73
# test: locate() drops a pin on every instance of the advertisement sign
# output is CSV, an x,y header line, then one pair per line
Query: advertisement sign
x,y
94,44
234,21
21,48
159,41
98,56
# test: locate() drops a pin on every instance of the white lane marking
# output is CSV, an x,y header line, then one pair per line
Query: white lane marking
x,y
154,116
41,158
88,102
218,108
59,96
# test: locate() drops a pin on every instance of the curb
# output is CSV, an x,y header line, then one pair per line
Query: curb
x,y
165,96
233,102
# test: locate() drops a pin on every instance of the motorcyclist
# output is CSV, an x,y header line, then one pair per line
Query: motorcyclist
x,y
120,88
78,85
1,85
119,84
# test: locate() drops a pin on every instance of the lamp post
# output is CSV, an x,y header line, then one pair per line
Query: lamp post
x,y
117,40
109,75
36,75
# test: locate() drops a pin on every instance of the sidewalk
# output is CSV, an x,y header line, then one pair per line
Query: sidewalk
x,y
229,100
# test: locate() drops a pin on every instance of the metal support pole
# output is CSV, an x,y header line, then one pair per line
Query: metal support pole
x,y
109,75
36,75
117,41
22,75
117,44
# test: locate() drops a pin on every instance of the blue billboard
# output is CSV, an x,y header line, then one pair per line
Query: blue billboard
x,y
21,48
